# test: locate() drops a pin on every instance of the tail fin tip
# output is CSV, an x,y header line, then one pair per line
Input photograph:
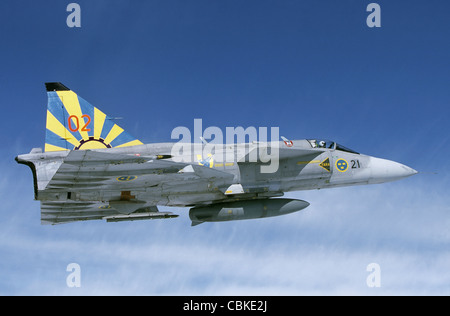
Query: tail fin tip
x,y
55,86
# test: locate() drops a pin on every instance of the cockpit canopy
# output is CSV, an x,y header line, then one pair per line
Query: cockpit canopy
x,y
319,143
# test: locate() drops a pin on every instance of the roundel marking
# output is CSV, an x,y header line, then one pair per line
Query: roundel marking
x,y
126,178
341,165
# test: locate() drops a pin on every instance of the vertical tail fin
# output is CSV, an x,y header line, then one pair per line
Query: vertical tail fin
x,y
75,124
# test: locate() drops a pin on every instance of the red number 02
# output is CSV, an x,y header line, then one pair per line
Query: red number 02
x,y
76,122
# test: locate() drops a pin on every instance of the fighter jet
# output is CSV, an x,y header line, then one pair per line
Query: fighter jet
x,y
91,169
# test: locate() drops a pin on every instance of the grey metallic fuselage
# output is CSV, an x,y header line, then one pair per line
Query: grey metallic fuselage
x,y
299,167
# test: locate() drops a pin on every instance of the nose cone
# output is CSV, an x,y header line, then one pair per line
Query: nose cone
x,y
384,170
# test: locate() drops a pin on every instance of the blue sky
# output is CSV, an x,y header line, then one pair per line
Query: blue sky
x,y
311,68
